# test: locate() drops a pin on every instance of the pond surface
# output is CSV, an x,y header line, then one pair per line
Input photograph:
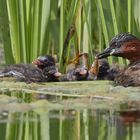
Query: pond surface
x,y
83,124
65,111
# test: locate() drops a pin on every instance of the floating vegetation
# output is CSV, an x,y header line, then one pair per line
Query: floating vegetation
x,y
91,94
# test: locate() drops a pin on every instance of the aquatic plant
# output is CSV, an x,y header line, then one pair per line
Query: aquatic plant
x,y
32,28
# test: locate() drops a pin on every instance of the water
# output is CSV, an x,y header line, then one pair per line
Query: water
x,y
83,124
33,116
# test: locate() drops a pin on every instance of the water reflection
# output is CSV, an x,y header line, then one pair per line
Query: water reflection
x,y
86,124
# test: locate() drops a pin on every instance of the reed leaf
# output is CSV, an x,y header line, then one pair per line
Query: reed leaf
x,y
22,30
103,22
78,26
4,22
116,31
14,28
129,15
61,27
35,30
114,17
87,26
45,14
104,26
29,10
41,26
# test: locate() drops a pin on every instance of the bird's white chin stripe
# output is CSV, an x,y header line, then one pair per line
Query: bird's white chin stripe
x,y
112,51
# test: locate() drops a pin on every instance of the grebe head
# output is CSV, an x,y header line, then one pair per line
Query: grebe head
x,y
123,45
44,61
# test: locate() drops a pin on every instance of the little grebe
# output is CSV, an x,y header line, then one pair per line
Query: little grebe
x,y
98,71
127,46
80,72
45,70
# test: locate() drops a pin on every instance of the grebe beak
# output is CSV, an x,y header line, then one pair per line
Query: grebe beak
x,y
57,74
107,52
36,62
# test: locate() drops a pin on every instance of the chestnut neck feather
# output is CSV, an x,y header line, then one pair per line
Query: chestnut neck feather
x,y
131,51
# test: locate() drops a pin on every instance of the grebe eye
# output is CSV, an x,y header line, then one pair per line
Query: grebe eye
x,y
115,44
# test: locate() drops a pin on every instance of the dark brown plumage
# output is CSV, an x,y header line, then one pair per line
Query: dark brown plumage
x,y
45,70
127,46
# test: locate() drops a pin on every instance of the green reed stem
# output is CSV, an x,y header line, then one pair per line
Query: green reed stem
x,y
129,15
4,22
116,31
